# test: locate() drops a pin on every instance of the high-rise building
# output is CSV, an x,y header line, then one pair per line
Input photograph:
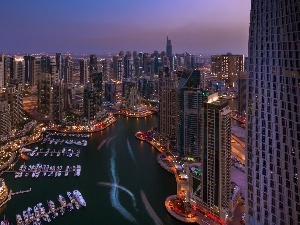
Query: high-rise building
x,y
242,93
33,80
59,65
106,69
14,97
45,94
110,92
128,67
58,101
273,118
68,70
83,71
119,69
2,71
190,102
167,119
5,118
227,67
130,94
17,70
93,64
89,103
210,189
29,68
169,47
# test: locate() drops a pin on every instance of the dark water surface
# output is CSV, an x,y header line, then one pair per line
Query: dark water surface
x,y
126,161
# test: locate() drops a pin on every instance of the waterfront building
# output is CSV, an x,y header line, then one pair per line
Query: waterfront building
x,y
58,101
227,67
130,94
96,80
210,189
218,87
242,93
14,97
168,99
146,87
3,190
45,94
190,103
90,100
110,92
273,119
83,71
5,118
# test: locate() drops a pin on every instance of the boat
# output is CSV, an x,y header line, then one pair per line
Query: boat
x,y
24,157
25,216
47,218
19,220
62,200
67,171
79,197
36,212
30,213
71,197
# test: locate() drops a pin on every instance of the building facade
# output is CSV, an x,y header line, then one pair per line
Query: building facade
x,y
83,71
227,67
273,119
211,186
167,119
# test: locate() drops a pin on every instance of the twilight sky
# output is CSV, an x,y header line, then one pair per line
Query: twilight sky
x,y
102,26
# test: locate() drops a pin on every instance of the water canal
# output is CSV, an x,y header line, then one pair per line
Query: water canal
x,y
121,183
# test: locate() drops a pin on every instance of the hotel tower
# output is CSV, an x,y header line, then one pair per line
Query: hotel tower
x,y
273,110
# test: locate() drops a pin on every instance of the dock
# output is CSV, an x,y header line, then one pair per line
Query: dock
x,y
21,192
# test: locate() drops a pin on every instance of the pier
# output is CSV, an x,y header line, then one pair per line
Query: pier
x,y
21,192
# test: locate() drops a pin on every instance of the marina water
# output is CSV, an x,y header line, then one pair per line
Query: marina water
x,y
121,182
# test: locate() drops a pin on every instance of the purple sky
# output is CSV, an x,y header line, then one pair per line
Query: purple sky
x,y
101,26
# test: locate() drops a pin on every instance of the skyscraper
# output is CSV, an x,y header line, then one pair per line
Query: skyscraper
x,y
273,123
169,52
83,71
190,100
211,188
2,71
227,67
167,119
93,64
29,68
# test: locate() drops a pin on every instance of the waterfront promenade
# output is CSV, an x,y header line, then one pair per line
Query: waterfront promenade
x,y
175,204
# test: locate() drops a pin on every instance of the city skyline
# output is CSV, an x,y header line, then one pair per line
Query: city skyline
x,y
108,27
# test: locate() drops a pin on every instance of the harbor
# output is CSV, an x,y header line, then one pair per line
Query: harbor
x,y
38,213
34,171
105,203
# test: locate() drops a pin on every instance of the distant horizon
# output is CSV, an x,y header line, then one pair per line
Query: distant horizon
x,y
216,26
110,53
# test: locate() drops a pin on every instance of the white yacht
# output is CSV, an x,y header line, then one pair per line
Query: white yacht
x,y
79,197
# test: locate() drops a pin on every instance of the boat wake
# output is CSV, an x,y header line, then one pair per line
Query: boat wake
x,y
150,210
114,193
101,144
130,151
107,184
109,140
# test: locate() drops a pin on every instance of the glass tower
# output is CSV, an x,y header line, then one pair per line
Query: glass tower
x,y
273,128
